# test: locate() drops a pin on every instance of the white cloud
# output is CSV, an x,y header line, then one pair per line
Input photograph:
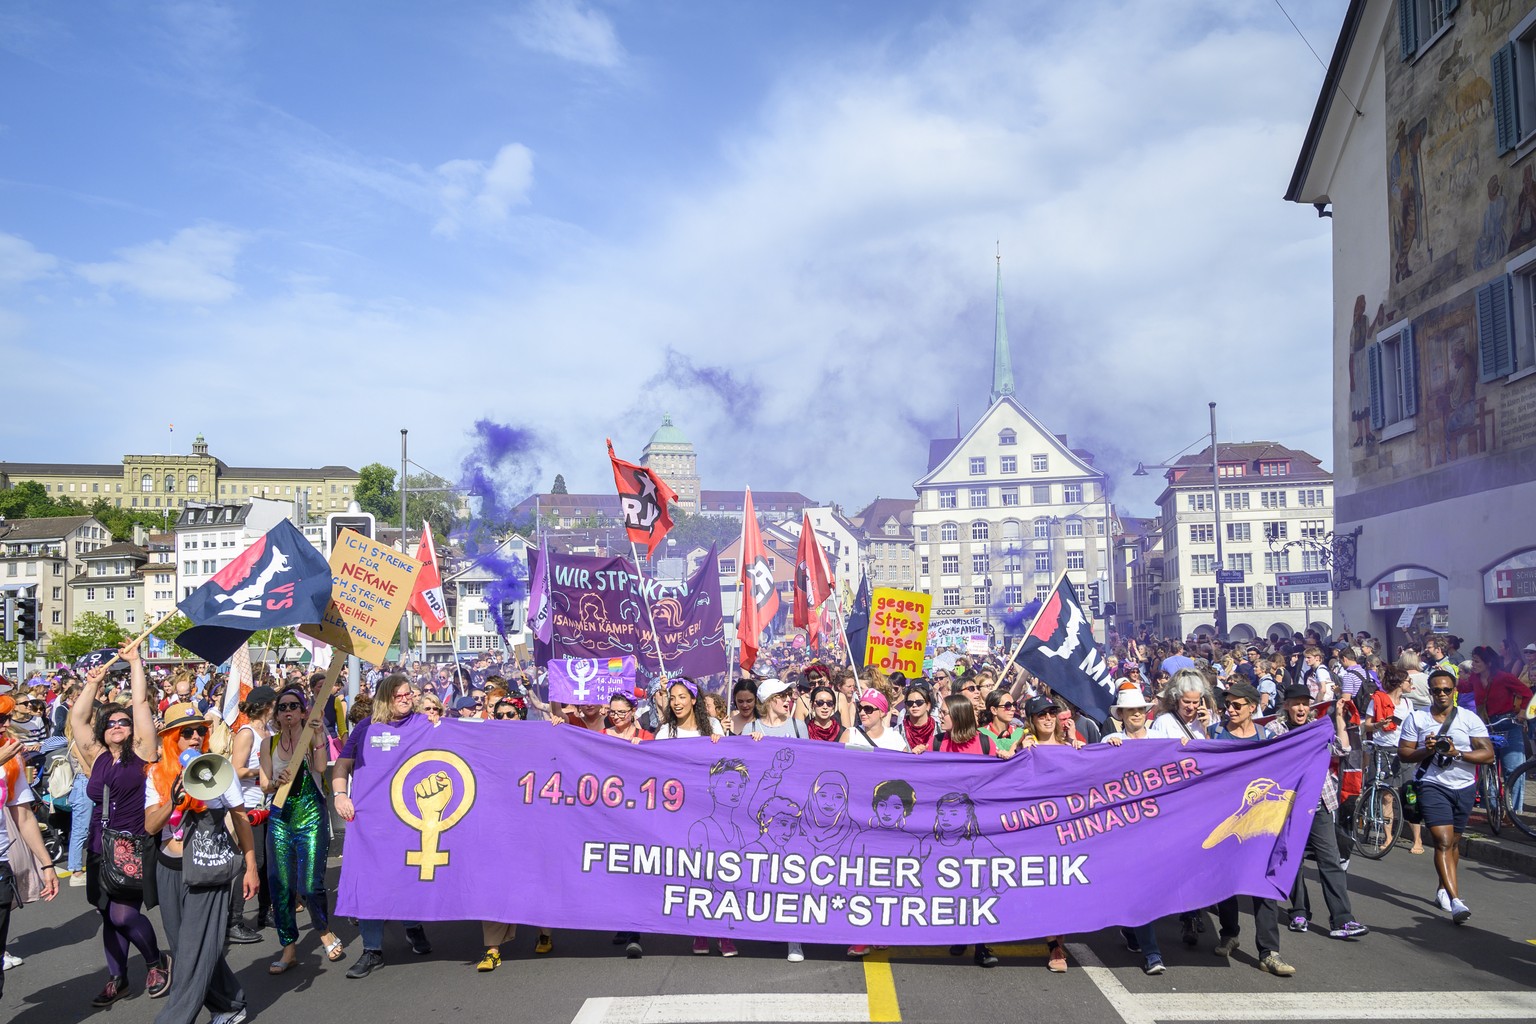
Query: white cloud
x,y
20,262
477,194
570,30
195,266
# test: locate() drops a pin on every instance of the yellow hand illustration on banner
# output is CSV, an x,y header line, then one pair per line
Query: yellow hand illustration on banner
x,y
432,796
1263,813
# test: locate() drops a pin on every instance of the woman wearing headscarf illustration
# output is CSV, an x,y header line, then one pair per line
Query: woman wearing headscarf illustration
x,y
828,825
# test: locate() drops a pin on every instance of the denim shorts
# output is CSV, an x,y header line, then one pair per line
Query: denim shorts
x,y
1443,806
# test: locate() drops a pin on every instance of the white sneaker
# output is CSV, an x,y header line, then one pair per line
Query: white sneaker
x,y
796,953
13,961
1459,912
77,879
1443,900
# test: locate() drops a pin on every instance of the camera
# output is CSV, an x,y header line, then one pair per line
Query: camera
x,y
1442,746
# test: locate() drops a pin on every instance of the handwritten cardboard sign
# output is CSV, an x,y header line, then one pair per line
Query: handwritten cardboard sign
x,y
898,630
371,584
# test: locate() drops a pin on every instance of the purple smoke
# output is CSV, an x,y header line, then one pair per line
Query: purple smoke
x,y
501,470
1017,620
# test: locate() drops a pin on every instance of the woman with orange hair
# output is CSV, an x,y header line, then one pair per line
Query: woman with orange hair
x,y
118,745
195,918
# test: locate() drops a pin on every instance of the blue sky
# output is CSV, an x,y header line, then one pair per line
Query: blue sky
x,y
298,228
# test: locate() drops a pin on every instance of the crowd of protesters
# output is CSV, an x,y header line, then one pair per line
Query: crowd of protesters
x,y
100,757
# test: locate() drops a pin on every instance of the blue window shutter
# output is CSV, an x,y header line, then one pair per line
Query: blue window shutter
x,y
1373,372
1506,112
1495,345
1408,372
1408,27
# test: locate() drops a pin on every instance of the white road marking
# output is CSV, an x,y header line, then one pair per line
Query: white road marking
x,y
747,1007
1147,1008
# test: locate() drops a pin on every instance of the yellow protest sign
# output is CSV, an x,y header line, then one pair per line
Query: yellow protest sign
x,y
898,630
370,586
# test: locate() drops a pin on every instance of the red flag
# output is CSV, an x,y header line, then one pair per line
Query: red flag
x,y
427,599
759,597
644,502
813,579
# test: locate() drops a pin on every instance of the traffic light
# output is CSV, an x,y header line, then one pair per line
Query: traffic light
x,y
335,522
26,619
1093,599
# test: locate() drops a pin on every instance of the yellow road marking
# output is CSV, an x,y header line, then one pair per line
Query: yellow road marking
x,y
880,984
881,987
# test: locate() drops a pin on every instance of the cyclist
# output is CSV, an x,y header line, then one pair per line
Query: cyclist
x,y
1447,740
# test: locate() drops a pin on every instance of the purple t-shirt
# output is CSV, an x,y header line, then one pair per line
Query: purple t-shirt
x,y
370,736
127,778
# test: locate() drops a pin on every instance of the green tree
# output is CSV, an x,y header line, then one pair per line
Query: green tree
x,y
89,632
692,530
375,492
427,500
559,487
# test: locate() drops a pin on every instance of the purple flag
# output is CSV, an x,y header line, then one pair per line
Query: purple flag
x,y
590,680
812,842
597,610
538,594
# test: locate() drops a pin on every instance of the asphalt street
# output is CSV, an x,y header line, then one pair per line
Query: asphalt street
x,y
1414,964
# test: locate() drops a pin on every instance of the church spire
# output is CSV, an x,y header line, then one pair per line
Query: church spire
x,y
1002,362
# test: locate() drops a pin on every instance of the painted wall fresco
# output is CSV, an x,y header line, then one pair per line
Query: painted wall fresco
x,y
1457,210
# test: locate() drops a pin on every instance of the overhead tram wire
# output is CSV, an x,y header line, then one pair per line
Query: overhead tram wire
x,y
1321,63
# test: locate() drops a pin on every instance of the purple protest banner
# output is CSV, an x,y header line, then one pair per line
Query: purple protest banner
x,y
813,842
597,610
590,680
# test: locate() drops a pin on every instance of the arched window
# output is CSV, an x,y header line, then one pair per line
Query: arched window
x,y
949,531
146,483
1042,529
1007,436
1011,530
979,529
170,483
1074,527
192,483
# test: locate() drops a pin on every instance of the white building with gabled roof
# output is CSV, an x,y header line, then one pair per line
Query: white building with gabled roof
x,y
1006,508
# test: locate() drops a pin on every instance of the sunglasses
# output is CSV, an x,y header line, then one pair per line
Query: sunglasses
x,y
506,714
116,723
1007,705
970,688
825,703
290,706
5,718
1237,705
1442,689
868,709
916,702
194,730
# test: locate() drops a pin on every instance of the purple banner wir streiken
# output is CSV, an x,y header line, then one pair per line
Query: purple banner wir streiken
x,y
802,841
598,609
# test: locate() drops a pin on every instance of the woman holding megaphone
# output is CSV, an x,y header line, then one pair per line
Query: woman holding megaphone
x,y
188,791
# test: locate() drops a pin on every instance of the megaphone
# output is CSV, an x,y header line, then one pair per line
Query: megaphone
x,y
207,777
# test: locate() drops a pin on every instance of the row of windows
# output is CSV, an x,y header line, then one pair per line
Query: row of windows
x,y
1009,497
1274,561
194,485
1007,465
1204,598
110,593
1235,501
980,529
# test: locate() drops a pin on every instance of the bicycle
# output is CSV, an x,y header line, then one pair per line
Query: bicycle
x,y
1378,820
1520,779
1491,789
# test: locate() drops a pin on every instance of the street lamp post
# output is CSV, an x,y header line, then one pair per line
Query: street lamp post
x,y
1221,564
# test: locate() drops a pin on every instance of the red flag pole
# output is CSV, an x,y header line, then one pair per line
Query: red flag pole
x,y
660,662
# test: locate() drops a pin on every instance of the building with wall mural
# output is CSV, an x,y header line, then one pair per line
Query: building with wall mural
x,y
1420,150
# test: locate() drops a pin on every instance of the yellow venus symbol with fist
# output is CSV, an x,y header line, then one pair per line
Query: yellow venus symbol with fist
x,y
433,795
